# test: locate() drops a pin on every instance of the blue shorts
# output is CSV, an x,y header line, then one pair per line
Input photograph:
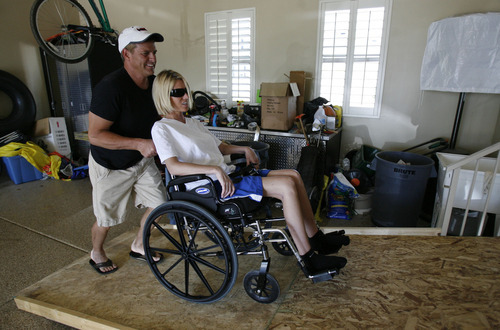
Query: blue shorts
x,y
246,186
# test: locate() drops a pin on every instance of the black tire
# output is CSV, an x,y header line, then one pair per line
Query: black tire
x,y
23,111
282,248
202,104
200,262
51,22
266,295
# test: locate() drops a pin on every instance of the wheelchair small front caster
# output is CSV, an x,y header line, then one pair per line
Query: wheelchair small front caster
x,y
265,292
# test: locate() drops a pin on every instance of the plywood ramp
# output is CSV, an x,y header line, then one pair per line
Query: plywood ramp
x,y
403,282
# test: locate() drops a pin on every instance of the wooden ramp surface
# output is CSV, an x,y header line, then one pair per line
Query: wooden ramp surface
x,y
389,282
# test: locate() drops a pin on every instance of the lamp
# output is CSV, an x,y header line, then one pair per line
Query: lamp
x,y
462,55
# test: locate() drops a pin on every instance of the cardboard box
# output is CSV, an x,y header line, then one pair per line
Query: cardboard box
x,y
52,135
20,170
299,77
279,105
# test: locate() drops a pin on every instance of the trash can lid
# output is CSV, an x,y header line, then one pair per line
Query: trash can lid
x,y
408,158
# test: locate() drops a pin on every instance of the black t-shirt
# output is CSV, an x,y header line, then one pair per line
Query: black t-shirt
x,y
131,109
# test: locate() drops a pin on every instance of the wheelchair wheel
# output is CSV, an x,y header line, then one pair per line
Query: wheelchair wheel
x,y
266,294
200,264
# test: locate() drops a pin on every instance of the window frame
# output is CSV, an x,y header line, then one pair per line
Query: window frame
x,y
353,6
229,15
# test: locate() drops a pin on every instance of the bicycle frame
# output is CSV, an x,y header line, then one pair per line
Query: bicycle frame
x,y
103,18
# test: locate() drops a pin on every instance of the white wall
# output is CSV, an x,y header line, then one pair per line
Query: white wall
x,y
19,55
286,40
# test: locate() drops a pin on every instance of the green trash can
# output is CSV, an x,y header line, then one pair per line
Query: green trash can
x,y
399,189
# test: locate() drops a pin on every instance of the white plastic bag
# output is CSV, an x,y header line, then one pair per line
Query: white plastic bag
x,y
463,55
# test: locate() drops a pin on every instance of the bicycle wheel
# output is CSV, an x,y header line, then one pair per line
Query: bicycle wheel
x,y
62,29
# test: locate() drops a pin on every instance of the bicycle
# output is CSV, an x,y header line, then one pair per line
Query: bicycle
x,y
64,30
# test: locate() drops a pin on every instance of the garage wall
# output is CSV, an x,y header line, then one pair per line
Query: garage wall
x,y
19,55
286,40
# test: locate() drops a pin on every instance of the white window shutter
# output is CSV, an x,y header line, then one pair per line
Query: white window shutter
x,y
351,54
230,54
217,43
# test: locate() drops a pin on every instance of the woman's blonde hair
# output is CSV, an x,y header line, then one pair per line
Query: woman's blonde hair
x,y
162,86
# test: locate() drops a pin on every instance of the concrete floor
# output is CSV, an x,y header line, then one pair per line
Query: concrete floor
x,y
44,226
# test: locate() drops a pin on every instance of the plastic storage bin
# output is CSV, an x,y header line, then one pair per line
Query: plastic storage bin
x,y
363,204
471,223
399,189
482,185
20,170
483,180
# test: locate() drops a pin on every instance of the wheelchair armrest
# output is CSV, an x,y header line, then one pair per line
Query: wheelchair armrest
x,y
208,198
187,178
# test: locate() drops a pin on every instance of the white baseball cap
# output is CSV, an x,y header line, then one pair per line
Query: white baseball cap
x,y
136,34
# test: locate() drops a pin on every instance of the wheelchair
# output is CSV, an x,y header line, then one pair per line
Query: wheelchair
x,y
202,236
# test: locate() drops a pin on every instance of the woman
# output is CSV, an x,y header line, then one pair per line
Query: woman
x,y
186,147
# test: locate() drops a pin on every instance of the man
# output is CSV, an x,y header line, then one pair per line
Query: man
x,y
121,161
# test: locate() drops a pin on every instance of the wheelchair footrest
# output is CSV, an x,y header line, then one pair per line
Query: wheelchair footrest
x,y
321,277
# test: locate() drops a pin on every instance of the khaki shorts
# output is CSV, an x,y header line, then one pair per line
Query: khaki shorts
x,y
112,190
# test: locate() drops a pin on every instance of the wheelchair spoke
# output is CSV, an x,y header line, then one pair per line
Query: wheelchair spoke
x,y
201,276
168,236
202,251
208,264
171,267
193,238
167,251
186,277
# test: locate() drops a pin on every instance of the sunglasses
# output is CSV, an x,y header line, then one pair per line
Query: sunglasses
x,y
178,92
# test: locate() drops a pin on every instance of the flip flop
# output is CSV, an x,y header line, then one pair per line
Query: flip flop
x,y
142,257
107,263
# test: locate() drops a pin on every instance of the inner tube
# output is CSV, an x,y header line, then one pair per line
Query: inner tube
x,y
23,111
202,104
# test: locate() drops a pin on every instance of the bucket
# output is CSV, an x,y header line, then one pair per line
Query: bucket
x,y
260,148
399,189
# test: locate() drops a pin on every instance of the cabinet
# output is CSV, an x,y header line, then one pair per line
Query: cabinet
x,y
284,148
69,88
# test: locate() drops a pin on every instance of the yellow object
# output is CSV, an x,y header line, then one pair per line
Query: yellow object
x,y
35,155
240,108
338,112
317,215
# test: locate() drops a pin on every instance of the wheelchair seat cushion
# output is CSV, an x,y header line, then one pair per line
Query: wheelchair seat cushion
x,y
245,187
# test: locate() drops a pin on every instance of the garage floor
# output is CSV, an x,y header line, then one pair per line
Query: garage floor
x,y
390,281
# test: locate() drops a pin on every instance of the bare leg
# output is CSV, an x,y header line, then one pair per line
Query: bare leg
x,y
98,254
283,188
288,187
137,244
324,244
305,206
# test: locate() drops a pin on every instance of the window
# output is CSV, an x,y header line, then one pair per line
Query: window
x,y
229,38
351,54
